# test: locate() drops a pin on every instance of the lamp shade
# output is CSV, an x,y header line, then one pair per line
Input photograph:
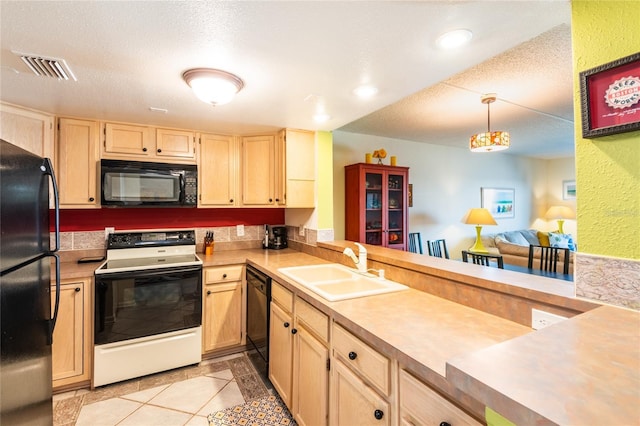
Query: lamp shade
x,y
560,212
215,87
478,216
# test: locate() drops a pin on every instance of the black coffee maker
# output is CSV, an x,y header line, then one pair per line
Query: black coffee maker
x,y
276,236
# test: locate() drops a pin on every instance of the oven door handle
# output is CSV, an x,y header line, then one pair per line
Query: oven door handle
x,y
150,272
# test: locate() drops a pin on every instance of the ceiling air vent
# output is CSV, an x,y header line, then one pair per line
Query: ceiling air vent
x,y
47,67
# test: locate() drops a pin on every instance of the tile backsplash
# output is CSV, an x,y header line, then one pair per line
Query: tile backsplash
x,y
225,237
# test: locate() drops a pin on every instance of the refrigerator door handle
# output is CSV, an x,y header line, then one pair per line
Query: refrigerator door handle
x,y
52,322
47,168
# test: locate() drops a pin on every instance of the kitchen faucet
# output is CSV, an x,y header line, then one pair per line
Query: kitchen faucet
x,y
361,260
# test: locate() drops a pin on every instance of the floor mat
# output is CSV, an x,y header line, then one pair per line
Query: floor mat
x,y
269,410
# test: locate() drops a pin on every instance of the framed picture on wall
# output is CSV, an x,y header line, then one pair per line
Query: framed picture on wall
x,y
499,201
568,189
610,97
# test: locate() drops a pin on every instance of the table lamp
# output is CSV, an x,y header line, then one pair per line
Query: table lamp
x,y
478,217
560,213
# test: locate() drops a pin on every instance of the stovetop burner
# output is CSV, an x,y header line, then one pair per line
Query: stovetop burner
x,y
135,251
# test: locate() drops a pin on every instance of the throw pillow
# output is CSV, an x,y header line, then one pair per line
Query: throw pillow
x,y
544,238
531,235
561,241
515,237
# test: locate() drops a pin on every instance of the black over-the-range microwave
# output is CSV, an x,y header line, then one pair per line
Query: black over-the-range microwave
x,y
145,184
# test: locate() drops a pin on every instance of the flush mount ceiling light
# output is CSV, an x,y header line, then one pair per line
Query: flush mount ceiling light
x,y
215,87
453,39
489,141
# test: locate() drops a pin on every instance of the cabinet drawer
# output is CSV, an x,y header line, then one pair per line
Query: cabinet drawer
x,y
282,296
223,273
313,319
420,405
362,358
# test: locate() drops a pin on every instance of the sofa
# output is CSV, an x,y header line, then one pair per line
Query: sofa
x,y
514,245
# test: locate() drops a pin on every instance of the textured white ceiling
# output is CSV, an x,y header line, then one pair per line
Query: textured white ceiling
x,y
129,56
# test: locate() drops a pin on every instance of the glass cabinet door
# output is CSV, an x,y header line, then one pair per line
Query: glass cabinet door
x,y
395,209
373,208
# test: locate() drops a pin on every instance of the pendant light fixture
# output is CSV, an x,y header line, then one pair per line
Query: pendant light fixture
x,y
489,141
215,87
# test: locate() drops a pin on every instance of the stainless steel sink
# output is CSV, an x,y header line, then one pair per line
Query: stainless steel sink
x,y
336,282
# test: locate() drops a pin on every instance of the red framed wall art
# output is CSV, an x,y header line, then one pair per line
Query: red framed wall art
x,y
610,97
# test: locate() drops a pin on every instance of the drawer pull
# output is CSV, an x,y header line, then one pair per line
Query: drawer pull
x,y
353,355
224,275
208,292
445,424
77,289
379,414
294,331
286,325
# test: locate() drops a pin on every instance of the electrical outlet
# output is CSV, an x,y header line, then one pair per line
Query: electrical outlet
x,y
108,231
301,230
240,230
542,319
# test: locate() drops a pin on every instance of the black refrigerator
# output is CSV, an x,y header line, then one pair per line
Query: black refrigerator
x,y
27,318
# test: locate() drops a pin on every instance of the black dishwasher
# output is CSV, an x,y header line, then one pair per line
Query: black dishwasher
x,y
258,299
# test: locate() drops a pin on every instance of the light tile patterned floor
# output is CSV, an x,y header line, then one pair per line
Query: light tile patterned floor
x,y
184,396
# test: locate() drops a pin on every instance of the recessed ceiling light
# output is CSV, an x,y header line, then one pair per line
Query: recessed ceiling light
x,y
365,91
321,117
453,39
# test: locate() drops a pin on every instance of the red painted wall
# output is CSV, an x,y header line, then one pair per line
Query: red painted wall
x,y
158,218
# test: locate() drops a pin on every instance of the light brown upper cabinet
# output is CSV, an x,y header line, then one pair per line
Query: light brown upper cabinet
x,y
296,169
77,165
258,171
218,170
143,143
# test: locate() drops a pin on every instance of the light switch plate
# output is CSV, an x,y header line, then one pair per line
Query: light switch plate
x,y
108,231
240,230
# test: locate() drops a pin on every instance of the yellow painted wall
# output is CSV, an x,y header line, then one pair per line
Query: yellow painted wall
x,y
607,168
324,209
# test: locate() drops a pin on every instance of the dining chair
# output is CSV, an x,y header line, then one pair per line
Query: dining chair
x,y
415,242
438,248
549,258
482,259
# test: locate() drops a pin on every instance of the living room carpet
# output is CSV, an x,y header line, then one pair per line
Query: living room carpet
x,y
268,410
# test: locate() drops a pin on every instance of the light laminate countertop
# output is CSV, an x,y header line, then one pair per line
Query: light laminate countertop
x,y
582,371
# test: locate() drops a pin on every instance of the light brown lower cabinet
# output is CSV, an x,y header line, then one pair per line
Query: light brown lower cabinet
x,y
355,403
281,351
222,319
72,340
299,356
421,405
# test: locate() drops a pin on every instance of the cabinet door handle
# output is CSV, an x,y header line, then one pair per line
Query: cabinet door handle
x,y
445,424
91,199
144,149
378,414
270,200
286,325
77,289
277,200
231,200
208,292
353,355
294,331
159,150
